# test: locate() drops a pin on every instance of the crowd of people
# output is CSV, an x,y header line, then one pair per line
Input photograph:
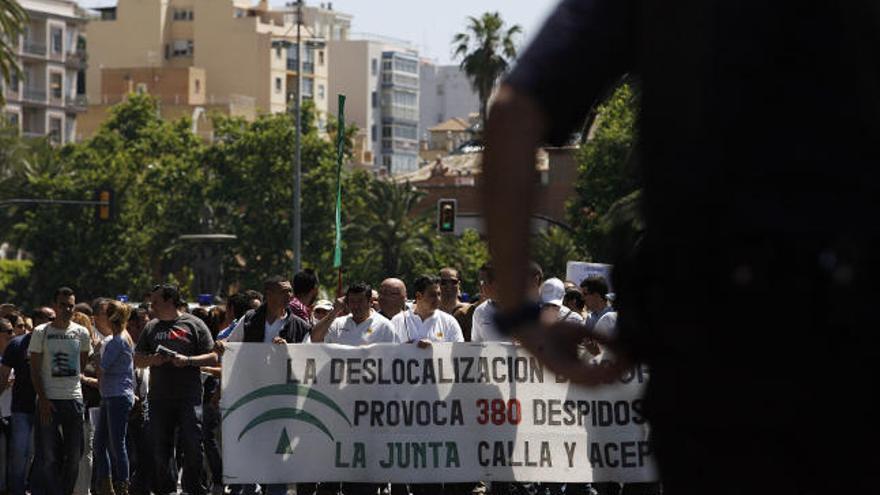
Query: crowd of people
x,y
113,398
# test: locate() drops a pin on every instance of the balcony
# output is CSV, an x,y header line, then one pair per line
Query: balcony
x,y
33,48
76,60
78,103
34,95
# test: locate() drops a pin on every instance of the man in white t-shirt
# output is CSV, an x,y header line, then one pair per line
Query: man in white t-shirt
x,y
425,323
483,326
362,326
58,351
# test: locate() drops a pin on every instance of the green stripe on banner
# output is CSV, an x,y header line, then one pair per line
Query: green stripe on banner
x,y
340,148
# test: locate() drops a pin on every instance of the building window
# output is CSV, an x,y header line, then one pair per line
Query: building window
x,y
12,119
406,65
56,85
198,86
375,99
373,132
141,88
278,51
374,67
239,13
308,87
277,84
182,15
57,40
440,90
55,130
13,82
320,91
182,48
321,57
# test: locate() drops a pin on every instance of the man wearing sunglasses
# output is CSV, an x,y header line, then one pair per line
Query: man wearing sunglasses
x,y
450,291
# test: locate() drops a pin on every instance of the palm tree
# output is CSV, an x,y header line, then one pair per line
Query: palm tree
x,y
388,237
12,20
486,50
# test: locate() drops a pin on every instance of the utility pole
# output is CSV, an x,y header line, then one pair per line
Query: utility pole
x,y
297,164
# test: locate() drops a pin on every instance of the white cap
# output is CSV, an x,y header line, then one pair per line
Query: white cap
x,y
324,304
552,292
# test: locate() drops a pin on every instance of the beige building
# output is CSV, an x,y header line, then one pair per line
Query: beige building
x,y
236,52
46,100
380,78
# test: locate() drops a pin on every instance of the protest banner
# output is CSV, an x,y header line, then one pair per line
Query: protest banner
x,y
577,271
399,413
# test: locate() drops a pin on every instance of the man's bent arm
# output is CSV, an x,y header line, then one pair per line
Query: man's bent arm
x,y
514,130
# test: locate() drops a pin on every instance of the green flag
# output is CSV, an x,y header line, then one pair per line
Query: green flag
x,y
340,148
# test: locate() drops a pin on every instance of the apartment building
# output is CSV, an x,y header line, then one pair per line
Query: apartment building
x,y
380,78
47,98
239,51
445,93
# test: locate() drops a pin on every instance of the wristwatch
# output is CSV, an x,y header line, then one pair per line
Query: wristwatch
x,y
508,322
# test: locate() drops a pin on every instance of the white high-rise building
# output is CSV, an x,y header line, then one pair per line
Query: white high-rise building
x,y
445,93
380,79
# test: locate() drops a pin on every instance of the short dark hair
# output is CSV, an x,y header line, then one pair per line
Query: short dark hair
x,y
84,308
4,322
169,292
422,283
535,270
489,270
40,313
62,292
274,281
239,303
575,296
358,288
254,294
202,314
595,284
304,281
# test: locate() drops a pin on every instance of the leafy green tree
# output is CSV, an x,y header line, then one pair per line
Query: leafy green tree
x,y
486,50
606,171
12,20
384,239
13,280
153,168
552,249
251,177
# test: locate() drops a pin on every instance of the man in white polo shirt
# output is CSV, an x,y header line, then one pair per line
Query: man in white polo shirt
x,y
425,322
362,326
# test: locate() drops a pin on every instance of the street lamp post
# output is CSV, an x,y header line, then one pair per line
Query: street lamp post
x,y
297,165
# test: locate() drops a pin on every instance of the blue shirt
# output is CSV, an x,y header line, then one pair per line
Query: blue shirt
x,y
16,357
226,332
117,363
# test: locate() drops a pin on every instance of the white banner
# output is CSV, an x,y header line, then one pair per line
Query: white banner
x,y
577,271
448,413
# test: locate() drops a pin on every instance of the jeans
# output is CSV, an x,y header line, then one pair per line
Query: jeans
x,y
210,426
21,450
110,432
60,446
165,417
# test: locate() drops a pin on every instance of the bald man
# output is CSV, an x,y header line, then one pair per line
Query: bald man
x,y
392,297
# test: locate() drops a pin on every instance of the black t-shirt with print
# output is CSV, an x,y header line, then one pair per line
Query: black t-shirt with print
x,y
186,335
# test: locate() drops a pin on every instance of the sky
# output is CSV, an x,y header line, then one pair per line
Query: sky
x,y
427,24
431,24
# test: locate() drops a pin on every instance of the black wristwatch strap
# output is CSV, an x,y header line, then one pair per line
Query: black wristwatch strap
x,y
508,322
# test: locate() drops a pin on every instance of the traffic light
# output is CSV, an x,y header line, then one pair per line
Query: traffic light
x,y
104,211
446,210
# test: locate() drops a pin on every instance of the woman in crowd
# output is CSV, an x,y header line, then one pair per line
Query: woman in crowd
x,y
117,399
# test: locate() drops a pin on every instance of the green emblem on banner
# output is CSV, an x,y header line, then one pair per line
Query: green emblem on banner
x,y
284,443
